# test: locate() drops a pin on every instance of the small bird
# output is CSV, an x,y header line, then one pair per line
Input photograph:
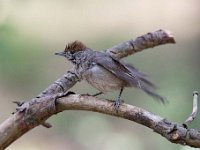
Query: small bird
x,y
105,72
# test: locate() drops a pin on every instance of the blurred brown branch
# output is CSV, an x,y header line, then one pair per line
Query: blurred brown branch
x,y
39,109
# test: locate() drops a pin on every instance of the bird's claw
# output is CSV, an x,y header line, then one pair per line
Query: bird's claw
x,y
117,104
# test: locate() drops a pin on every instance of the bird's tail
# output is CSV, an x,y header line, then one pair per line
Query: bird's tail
x,y
153,94
144,84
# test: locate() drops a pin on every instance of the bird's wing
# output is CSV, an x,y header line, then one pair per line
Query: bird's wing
x,y
140,75
127,73
117,68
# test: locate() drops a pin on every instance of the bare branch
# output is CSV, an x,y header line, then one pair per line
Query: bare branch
x,y
148,40
61,85
41,109
194,110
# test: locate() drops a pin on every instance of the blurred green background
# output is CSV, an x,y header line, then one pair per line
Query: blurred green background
x,y
31,31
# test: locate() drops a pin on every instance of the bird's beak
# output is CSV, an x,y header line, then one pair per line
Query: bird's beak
x,y
60,53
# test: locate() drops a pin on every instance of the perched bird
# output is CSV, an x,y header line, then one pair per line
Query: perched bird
x,y
105,72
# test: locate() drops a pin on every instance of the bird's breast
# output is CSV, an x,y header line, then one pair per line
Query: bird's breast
x,y
102,79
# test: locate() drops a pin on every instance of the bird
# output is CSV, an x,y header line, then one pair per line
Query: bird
x,y
105,72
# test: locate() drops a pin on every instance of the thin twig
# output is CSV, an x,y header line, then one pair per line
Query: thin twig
x,y
194,110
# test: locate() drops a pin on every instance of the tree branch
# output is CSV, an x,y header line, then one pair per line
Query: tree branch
x,y
39,109
43,108
146,41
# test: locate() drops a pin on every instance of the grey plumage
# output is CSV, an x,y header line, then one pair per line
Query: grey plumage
x,y
105,72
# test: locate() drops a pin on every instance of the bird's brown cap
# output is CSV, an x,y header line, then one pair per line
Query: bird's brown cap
x,y
75,46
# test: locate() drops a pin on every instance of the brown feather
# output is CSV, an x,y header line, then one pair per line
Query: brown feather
x,y
75,46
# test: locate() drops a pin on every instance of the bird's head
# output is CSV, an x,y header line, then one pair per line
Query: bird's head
x,y
71,49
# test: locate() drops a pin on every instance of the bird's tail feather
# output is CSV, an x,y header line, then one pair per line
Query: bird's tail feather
x,y
144,84
154,94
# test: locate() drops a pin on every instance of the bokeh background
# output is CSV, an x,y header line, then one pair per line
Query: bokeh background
x,y
31,31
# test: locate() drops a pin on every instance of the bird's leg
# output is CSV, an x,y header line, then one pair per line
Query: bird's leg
x,y
99,93
117,102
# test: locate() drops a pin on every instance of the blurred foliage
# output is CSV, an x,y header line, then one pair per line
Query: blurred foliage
x,y
32,31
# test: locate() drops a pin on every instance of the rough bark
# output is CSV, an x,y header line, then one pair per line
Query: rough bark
x,y
43,108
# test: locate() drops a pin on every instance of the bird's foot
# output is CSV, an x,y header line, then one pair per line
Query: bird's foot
x,y
117,103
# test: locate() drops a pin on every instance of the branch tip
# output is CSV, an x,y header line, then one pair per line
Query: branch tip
x,y
195,93
194,110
